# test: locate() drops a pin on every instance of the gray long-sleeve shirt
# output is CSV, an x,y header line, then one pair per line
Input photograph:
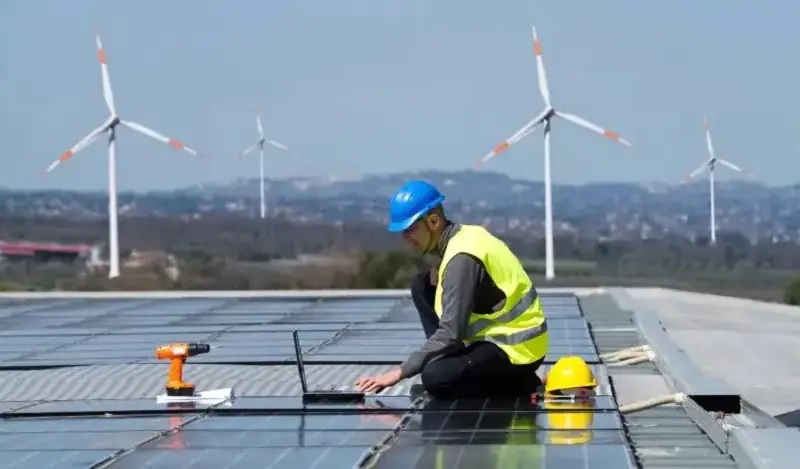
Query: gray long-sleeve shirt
x,y
466,288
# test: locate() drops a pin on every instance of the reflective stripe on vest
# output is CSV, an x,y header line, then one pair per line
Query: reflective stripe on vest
x,y
474,329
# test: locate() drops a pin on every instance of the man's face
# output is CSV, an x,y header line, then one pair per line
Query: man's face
x,y
419,235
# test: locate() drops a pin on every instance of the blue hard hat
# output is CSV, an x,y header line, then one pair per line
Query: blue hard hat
x,y
411,202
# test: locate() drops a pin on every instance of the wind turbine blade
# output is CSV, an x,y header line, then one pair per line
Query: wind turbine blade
x,y
729,165
526,130
108,95
529,131
593,127
540,71
249,149
694,173
277,145
177,144
708,139
259,126
83,143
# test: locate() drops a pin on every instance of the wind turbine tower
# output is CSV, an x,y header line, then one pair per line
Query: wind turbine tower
x,y
260,145
711,165
110,127
545,119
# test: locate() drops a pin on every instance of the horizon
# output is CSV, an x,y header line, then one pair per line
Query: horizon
x,y
198,186
396,88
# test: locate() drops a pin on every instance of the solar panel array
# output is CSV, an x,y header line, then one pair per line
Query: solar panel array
x,y
90,332
113,419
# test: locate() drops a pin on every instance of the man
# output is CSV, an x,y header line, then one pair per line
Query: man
x,y
487,333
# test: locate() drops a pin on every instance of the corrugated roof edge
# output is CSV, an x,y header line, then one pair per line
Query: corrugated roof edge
x,y
763,443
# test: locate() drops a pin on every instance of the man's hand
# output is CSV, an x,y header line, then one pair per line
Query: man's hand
x,y
380,382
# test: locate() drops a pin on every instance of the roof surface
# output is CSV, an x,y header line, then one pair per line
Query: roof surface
x,y
78,383
752,345
661,437
27,248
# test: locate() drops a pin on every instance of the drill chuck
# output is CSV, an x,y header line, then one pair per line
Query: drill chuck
x,y
197,349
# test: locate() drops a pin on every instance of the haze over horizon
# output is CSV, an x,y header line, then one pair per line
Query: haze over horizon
x,y
359,88
320,181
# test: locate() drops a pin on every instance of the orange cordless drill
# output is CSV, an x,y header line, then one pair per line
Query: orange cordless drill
x,y
177,354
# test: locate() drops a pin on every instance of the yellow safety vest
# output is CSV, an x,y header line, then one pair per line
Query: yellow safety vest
x,y
520,327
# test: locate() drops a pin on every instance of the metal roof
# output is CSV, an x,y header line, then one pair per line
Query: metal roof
x,y
78,382
752,438
661,437
725,335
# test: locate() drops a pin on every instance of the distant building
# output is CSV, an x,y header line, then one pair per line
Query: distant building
x,y
11,251
140,260
311,260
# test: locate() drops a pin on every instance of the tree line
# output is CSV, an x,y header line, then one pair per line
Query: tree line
x,y
234,252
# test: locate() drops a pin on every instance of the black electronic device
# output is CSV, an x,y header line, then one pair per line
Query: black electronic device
x,y
320,396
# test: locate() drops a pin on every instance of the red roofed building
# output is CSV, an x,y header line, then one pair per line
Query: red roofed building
x,y
45,252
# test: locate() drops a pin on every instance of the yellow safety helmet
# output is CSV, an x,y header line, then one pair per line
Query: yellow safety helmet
x,y
569,373
569,423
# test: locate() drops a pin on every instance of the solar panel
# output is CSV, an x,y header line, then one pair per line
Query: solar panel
x,y
79,417
503,454
133,327
30,306
93,424
95,406
235,458
298,423
505,405
295,403
25,333
361,439
9,406
33,459
51,441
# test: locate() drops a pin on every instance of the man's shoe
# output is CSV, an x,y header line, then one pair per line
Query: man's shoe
x,y
416,391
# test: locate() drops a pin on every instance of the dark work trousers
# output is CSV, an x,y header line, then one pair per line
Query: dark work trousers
x,y
480,369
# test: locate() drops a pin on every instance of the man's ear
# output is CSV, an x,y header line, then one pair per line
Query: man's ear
x,y
434,221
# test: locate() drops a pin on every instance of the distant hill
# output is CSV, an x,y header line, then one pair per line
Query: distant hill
x,y
474,185
495,199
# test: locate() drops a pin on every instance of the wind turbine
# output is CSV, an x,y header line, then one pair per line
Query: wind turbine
x,y
110,126
711,165
260,145
545,118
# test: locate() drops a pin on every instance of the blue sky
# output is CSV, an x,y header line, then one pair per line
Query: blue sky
x,y
368,86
